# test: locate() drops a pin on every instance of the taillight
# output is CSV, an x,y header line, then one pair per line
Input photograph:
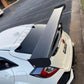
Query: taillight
x,y
44,72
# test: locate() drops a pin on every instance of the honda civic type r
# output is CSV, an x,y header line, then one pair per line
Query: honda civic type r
x,y
37,53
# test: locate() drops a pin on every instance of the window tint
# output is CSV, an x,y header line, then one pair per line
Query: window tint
x,y
5,64
30,42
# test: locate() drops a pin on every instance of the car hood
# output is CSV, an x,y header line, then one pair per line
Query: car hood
x,y
12,37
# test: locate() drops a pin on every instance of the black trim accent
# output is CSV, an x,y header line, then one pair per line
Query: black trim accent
x,y
61,6
64,79
74,77
6,64
40,62
73,65
73,61
33,26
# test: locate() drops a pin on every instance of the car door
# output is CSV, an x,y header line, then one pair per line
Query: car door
x,y
6,74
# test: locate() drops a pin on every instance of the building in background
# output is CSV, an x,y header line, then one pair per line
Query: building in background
x,y
6,3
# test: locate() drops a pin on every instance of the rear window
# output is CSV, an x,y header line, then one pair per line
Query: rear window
x,y
29,43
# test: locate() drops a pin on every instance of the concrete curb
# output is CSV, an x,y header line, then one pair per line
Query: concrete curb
x,y
82,20
77,15
77,36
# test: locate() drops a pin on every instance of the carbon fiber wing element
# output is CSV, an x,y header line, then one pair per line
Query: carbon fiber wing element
x,y
44,45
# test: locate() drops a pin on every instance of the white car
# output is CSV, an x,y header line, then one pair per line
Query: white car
x,y
37,53
1,12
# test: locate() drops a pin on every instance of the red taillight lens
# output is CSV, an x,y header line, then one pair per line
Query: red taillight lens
x,y
44,72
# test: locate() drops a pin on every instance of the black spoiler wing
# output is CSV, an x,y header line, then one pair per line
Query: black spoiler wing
x,y
44,45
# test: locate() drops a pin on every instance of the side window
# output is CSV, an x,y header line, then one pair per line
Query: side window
x,y
5,64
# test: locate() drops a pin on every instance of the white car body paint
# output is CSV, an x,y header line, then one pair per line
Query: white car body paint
x,y
62,60
6,77
71,77
14,33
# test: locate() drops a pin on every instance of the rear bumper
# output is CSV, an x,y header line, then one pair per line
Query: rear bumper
x,y
72,54
73,64
72,73
69,52
72,77
67,78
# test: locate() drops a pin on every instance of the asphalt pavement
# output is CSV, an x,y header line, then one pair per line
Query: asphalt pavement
x,y
34,11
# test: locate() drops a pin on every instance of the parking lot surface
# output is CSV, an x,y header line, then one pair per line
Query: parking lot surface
x,y
38,12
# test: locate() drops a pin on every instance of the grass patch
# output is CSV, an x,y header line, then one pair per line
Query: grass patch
x,y
83,4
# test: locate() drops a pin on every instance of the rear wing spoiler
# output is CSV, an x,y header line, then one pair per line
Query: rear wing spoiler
x,y
44,45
